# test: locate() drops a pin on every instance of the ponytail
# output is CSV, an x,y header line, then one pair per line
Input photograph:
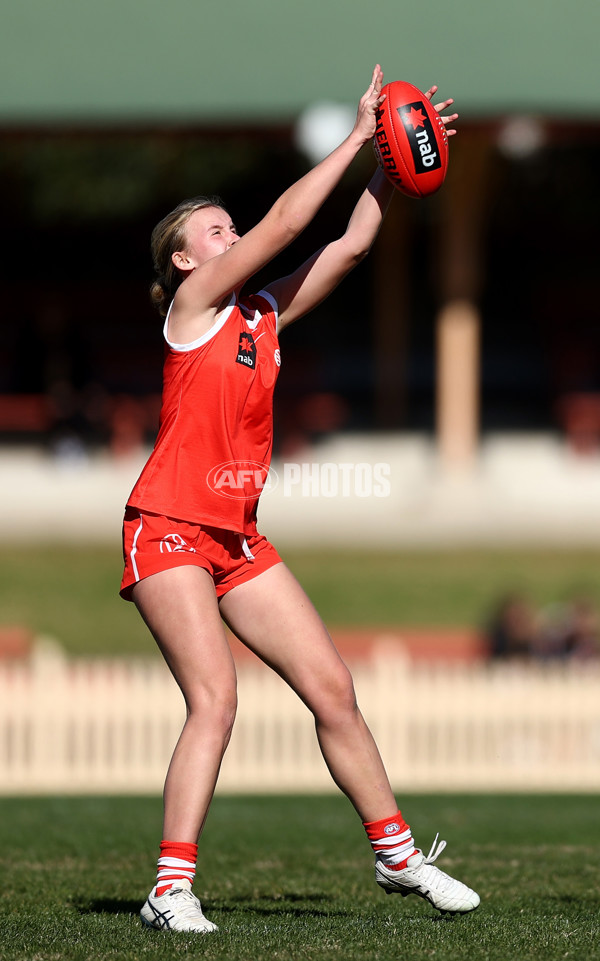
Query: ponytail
x,y
160,296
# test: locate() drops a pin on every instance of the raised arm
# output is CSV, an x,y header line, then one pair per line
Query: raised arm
x,y
301,291
208,283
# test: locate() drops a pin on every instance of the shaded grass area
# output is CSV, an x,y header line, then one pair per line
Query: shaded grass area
x,y
71,593
291,878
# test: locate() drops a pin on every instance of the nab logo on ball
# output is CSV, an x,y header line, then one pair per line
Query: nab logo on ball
x,y
246,354
421,137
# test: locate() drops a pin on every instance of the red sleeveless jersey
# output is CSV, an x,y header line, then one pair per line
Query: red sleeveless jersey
x,y
211,457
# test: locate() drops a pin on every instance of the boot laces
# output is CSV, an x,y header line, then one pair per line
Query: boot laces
x,y
433,853
188,905
434,875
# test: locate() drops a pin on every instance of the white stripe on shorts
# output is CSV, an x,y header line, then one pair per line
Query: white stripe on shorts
x,y
134,549
245,548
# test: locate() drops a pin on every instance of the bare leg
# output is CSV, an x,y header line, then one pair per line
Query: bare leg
x,y
180,608
273,616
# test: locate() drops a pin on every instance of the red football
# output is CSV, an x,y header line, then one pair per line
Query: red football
x,y
410,141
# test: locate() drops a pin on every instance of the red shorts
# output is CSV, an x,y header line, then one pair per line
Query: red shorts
x,y
153,543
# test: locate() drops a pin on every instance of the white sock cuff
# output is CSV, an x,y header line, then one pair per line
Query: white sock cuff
x,y
172,868
393,840
176,863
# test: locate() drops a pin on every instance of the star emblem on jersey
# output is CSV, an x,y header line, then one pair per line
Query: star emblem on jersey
x,y
246,354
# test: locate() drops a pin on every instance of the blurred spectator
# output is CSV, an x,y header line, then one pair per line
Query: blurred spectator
x,y
568,630
585,635
512,629
559,630
554,631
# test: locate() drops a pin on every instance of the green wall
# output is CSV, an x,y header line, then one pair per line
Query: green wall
x,y
239,62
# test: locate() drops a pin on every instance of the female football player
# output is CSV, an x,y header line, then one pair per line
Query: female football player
x,y
193,556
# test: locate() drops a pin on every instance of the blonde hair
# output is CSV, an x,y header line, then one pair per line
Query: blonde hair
x,y
167,237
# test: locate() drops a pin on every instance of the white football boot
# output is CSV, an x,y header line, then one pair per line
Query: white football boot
x,y
420,877
176,910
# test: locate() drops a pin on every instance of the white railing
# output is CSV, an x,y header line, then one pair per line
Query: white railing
x,y
110,726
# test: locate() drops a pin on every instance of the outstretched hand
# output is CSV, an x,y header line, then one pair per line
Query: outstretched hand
x,y
449,118
369,104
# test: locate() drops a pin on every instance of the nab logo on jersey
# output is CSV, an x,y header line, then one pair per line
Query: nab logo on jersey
x,y
246,354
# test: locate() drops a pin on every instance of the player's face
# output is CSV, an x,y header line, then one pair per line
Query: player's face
x,y
209,232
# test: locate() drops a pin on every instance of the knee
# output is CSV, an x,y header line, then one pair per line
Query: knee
x,y
225,712
336,698
213,708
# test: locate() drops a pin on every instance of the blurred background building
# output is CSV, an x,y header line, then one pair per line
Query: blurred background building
x,y
472,332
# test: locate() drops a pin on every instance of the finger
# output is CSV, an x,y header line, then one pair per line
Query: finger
x,y
431,91
450,118
375,85
374,97
443,105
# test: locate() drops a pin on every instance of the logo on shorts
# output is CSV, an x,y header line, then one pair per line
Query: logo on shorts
x,y
175,542
391,828
246,354
242,479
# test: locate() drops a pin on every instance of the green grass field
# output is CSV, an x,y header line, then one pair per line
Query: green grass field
x,y
291,878
70,593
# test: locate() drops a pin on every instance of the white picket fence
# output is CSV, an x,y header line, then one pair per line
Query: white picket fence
x,y
110,726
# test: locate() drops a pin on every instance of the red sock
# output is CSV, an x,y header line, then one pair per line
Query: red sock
x,y
177,861
391,840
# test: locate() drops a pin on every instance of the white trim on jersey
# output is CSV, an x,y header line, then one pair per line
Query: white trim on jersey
x,y
183,348
270,300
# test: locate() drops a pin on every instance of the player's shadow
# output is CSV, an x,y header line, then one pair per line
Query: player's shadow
x,y
109,906
290,904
